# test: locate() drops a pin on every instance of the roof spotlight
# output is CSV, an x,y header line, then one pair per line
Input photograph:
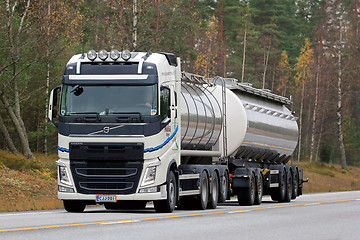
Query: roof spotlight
x,y
114,54
91,55
103,54
126,55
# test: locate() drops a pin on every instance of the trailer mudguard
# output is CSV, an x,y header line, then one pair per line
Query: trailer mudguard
x,y
241,178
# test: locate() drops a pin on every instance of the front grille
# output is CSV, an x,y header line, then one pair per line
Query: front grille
x,y
117,171
101,186
106,172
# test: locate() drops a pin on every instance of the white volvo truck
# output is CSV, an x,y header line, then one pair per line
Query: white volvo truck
x,y
133,128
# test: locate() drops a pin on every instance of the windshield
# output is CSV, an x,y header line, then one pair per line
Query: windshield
x,y
107,100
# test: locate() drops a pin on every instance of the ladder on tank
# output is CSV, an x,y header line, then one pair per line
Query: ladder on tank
x,y
198,79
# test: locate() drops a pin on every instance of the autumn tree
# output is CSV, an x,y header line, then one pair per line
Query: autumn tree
x,y
304,74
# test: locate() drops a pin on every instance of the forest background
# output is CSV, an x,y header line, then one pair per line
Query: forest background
x,y
307,49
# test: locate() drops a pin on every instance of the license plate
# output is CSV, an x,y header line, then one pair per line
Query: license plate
x,y
105,198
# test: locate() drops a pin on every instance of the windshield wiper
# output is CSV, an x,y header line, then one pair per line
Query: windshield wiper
x,y
88,118
129,116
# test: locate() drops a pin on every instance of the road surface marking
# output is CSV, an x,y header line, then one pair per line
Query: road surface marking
x,y
243,211
171,216
118,222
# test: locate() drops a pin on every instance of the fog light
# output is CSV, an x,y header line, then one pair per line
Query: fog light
x,y
149,190
65,189
126,55
91,55
103,54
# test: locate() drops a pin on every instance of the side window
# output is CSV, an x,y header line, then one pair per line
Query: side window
x,y
164,102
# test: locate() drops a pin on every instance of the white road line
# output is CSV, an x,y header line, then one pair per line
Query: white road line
x,y
240,211
124,221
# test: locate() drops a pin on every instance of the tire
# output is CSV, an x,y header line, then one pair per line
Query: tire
x,y
203,199
246,196
295,188
224,187
278,193
259,189
289,184
214,196
74,206
168,205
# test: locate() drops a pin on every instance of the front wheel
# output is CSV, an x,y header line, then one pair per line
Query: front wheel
x,y
168,205
74,206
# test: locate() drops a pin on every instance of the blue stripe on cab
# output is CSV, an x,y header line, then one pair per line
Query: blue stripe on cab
x,y
163,144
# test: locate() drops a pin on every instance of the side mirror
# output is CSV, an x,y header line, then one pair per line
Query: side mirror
x,y
53,101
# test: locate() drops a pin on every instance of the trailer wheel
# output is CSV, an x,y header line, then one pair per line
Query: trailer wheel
x,y
289,184
278,193
74,206
168,205
259,189
246,196
224,187
203,198
214,196
295,188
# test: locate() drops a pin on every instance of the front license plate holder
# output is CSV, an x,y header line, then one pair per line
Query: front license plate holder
x,y
105,198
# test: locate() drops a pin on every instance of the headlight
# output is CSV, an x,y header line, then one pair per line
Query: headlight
x,y
91,55
103,54
64,176
149,177
126,55
114,54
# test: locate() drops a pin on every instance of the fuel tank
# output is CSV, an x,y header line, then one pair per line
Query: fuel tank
x,y
259,126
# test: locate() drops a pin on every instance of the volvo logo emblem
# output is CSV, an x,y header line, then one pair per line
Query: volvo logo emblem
x,y
106,129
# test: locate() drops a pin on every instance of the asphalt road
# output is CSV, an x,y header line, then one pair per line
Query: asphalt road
x,y
311,216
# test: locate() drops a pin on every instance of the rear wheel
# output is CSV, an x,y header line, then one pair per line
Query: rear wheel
x,y
259,189
203,198
214,196
168,205
246,196
289,185
295,188
224,187
74,205
278,193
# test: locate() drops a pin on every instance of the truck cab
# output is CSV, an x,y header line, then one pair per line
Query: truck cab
x,y
118,129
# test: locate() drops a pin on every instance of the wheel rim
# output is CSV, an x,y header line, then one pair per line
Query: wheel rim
x,y
260,187
252,188
171,192
215,189
295,183
204,189
283,187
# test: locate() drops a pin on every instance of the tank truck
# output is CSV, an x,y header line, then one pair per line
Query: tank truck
x,y
133,128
